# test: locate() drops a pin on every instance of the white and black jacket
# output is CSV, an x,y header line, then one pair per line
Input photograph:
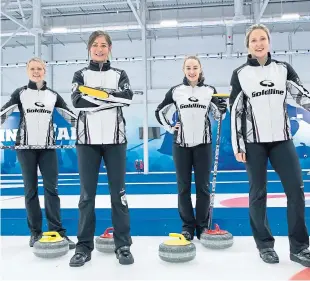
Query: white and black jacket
x,y
193,105
101,122
258,102
36,108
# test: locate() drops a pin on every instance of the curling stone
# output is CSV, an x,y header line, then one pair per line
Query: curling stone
x,y
177,250
105,242
51,245
216,239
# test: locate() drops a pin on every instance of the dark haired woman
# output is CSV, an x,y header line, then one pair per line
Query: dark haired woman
x,y
101,134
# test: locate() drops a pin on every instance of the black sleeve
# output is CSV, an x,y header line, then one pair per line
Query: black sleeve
x,y
235,88
296,89
8,108
124,94
60,103
65,112
236,112
15,99
78,99
163,108
291,74
217,100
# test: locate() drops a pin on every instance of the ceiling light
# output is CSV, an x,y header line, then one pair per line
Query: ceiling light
x,y
168,23
58,30
290,16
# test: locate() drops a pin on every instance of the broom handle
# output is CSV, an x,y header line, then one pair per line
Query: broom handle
x,y
216,161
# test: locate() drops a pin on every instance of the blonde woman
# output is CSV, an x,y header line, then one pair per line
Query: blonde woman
x,y
260,131
36,103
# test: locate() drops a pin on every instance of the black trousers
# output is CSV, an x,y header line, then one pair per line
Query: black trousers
x,y
29,161
89,159
284,160
185,158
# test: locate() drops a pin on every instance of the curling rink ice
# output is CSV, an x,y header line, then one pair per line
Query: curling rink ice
x,y
240,262
153,208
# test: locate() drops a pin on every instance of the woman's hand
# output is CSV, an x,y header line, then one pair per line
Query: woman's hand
x,y
177,126
240,157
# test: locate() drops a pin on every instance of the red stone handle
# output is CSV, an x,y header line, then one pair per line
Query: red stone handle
x,y
106,233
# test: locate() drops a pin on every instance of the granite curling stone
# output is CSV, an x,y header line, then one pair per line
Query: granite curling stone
x,y
105,242
177,250
216,239
51,245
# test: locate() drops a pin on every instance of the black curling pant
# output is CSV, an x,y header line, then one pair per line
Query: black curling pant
x,y
46,159
284,160
89,159
185,158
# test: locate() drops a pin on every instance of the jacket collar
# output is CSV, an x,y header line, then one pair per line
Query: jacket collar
x,y
199,84
254,62
95,66
33,86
